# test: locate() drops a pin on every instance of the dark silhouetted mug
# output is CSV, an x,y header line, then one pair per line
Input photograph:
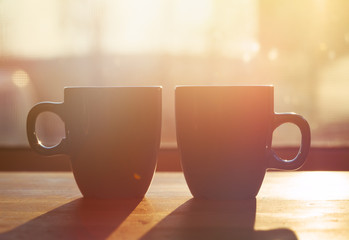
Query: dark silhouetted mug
x,y
224,134
112,137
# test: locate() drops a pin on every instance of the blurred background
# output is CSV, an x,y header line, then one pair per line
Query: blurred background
x,y
299,46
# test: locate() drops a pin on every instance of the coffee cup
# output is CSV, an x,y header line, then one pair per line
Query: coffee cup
x,y
112,137
224,135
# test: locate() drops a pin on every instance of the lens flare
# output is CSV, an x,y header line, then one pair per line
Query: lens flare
x,y
20,78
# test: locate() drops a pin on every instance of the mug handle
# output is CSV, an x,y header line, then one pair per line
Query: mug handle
x,y
275,161
34,142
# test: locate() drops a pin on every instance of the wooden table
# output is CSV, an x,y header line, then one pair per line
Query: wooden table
x,y
290,205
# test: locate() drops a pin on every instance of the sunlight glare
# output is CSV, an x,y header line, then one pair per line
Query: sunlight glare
x,y
320,186
178,27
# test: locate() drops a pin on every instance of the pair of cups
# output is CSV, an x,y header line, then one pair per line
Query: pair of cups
x,y
224,134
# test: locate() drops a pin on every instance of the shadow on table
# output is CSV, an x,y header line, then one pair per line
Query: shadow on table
x,y
79,219
206,219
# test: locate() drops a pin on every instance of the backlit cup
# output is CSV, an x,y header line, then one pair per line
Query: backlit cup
x,y
224,134
112,137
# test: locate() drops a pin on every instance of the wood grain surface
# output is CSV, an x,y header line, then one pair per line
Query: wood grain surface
x,y
290,205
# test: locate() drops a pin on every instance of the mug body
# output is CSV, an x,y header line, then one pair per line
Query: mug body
x,y
113,136
224,134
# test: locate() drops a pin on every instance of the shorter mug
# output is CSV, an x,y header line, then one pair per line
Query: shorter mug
x,y
112,137
224,135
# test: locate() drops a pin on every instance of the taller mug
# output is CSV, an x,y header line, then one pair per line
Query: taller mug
x,y
224,134
112,137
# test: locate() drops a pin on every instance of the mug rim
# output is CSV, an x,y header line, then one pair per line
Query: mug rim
x,y
108,87
224,86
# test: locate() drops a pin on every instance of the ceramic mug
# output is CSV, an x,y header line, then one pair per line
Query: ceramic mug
x,y
112,137
224,134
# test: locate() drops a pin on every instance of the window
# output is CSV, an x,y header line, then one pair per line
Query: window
x,y
302,47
